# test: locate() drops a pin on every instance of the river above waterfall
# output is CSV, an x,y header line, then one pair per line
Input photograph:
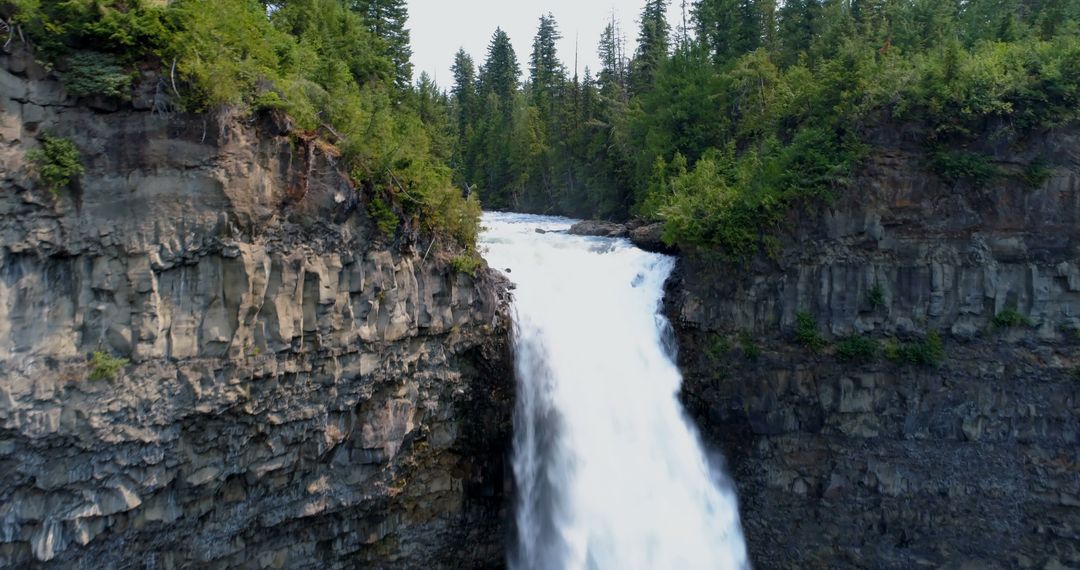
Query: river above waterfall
x,y
610,472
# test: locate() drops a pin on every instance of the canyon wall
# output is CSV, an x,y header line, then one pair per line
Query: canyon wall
x,y
879,462
301,392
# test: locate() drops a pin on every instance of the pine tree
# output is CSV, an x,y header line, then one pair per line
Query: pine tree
x,y
730,28
387,19
464,90
546,73
612,76
501,70
653,44
798,27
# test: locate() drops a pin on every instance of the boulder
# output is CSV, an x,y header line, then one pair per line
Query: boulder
x,y
599,228
648,237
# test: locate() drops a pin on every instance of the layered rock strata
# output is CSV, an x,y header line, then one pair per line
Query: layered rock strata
x,y
874,462
301,393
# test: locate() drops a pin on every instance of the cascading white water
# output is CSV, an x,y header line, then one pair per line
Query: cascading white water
x,y
610,473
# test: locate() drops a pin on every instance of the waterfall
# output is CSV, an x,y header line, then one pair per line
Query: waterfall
x,y
611,474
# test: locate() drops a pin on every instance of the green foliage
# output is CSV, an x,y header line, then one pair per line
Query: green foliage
x,y
1011,318
927,351
717,348
338,69
386,20
57,162
1036,173
385,219
468,262
875,297
91,73
104,366
750,349
962,166
857,349
806,332
768,110
128,30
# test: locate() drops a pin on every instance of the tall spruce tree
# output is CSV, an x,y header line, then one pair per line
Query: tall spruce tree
x,y
464,90
387,19
654,41
798,26
546,73
730,28
613,64
500,73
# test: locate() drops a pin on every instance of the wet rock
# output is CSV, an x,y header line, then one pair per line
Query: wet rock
x,y
598,229
649,238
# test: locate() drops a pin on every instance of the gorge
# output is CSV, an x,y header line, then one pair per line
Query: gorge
x,y
246,319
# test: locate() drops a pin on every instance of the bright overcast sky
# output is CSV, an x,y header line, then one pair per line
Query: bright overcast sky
x,y
440,27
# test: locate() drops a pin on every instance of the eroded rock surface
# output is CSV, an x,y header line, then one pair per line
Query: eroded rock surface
x,y
301,393
972,464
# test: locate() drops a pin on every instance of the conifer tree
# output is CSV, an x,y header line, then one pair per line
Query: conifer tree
x,y
653,44
612,76
501,70
729,28
387,19
546,73
464,90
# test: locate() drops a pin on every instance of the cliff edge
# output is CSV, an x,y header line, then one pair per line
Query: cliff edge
x,y
299,392
900,386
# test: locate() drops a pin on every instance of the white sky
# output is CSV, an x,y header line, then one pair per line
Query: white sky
x,y
440,27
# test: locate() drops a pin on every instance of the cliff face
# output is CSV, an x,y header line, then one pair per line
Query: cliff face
x,y
299,394
970,464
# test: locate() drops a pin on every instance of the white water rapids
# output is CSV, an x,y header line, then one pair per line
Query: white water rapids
x,y
611,474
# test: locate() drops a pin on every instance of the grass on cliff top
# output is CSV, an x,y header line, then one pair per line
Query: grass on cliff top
x,y
315,60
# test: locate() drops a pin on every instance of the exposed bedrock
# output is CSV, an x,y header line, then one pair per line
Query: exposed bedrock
x,y
300,393
974,463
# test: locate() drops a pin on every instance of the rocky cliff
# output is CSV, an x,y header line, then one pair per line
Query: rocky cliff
x,y
876,460
300,392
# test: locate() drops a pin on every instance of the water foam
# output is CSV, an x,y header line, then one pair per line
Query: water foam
x,y
611,474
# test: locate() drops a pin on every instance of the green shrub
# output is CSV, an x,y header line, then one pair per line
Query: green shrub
x,y
717,348
104,366
1011,318
385,219
92,73
269,101
468,263
1036,173
319,61
875,297
857,348
806,331
57,162
927,351
751,351
962,166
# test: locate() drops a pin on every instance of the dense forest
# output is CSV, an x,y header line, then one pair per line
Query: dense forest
x,y
717,128
338,70
752,106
